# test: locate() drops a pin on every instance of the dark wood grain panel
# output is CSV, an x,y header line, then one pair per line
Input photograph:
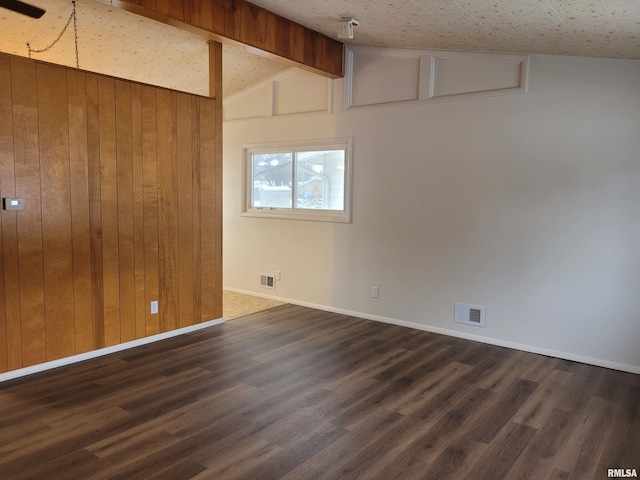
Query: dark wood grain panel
x,y
57,242
113,178
138,209
126,248
196,182
150,207
6,172
109,202
168,210
29,221
186,124
95,209
216,293
239,21
80,211
296,42
215,70
211,192
208,210
20,141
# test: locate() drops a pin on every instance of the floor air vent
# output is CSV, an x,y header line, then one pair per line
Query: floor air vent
x,y
268,281
469,314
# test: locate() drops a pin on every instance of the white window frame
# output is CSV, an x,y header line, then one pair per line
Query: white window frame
x,y
341,216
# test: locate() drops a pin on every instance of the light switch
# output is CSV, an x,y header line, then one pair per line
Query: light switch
x,y
13,204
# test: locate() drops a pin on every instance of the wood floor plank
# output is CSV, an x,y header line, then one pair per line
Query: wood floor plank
x,y
508,447
182,470
238,458
452,459
451,425
501,412
534,412
309,444
537,460
74,465
429,388
585,446
294,393
622,445
364,461
323,464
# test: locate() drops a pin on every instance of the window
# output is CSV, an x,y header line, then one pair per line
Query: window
x,y
307,181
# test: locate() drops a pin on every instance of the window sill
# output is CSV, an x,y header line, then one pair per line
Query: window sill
x,y
285,214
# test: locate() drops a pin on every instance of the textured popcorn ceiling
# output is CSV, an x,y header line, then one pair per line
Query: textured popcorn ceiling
x,y
119,43
606,28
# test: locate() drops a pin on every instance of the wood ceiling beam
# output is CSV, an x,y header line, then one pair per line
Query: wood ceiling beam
x,y
240,22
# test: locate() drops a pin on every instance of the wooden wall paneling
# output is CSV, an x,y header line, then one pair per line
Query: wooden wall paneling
x,y
282,37
268,34
196,236
109,200
80,208
310,45
242,22
296,45
215,77
30,316
6,160
202,14
4,362
95,209
138,208
217,179
150,4
177,10
53,125
320,52
221,16
167,210
210,190
124,173
208,209
122,189
253,29
150,208
21,143
167,5
185,128
187,12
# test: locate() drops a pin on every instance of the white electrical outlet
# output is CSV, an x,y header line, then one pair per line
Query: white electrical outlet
x,y
154,307
278,275
375,292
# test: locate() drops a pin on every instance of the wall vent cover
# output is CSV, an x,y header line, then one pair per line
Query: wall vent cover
x,y
469,314
268,281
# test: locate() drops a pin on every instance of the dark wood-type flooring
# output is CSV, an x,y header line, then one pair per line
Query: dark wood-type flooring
x,y
296,394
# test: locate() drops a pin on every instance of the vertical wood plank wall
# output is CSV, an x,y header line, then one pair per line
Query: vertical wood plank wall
x,y
121,184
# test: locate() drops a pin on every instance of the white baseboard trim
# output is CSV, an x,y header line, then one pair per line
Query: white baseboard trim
x,y
41,367
454,333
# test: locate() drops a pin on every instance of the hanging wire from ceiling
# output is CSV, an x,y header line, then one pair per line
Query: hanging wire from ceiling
x,y
75,32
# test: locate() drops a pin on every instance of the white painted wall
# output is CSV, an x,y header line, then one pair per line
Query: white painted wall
x,y
526,204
